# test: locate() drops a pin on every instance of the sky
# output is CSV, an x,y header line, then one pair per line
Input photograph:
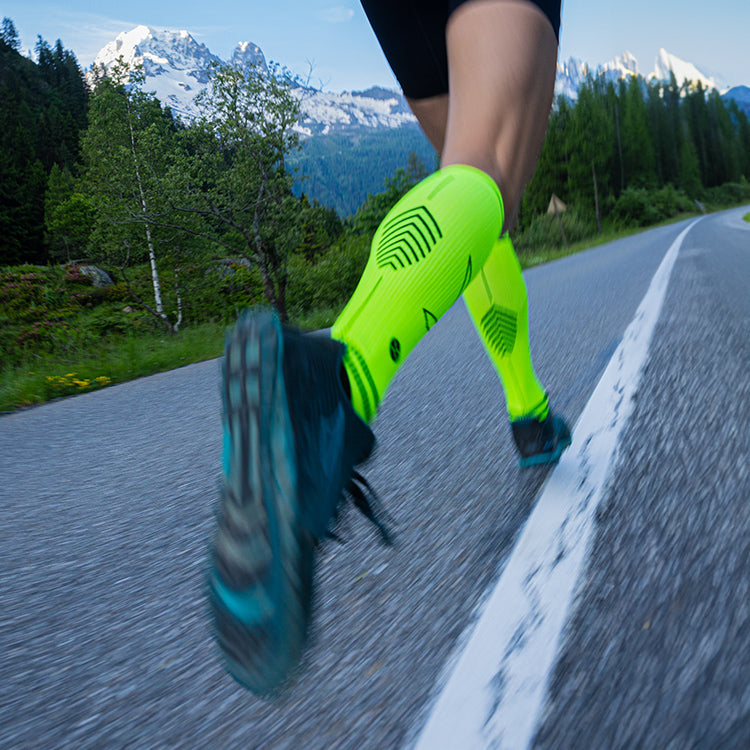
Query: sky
x,y
331,42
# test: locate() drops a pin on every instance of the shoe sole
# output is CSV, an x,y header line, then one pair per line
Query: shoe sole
x,y
260,583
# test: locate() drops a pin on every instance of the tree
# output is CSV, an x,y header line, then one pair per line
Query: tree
x,y
320,228
591,143
233,176
372,212
9,35
127,150
690,171
725,135
637,144
551,175
67,216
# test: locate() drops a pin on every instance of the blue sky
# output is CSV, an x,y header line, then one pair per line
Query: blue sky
x,y
334,38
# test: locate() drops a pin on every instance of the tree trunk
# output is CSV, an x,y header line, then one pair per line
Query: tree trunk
x,y
619,149
596,201
177,325
560,224
151,253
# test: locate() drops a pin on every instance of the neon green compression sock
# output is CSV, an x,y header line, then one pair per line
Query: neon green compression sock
x,y
425,253
498,305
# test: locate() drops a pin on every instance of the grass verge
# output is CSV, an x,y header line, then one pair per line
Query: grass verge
x,y
43,378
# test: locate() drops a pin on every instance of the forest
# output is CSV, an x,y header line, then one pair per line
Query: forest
x,y
634,151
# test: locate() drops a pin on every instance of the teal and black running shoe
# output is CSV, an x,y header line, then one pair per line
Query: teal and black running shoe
x,y
291,442
540,441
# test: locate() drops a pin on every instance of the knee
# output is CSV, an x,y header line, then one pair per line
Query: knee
x,y
487,160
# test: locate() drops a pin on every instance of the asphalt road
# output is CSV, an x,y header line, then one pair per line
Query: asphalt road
x,y
106,503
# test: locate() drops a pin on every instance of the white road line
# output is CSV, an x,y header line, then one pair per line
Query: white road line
x,y
494,695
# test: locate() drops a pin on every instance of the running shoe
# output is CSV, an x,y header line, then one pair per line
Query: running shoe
x,y
291,442
540,441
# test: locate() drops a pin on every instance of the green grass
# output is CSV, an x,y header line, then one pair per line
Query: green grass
x,y
746,217
42,378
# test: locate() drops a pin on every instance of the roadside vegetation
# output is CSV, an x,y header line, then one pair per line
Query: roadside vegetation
x,y
131,240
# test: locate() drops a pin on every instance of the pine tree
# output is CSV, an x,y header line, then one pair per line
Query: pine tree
x,y
9,35
590,145
639,159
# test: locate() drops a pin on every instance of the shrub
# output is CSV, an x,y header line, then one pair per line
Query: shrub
x,y
21,289
729,193
543,234
330,281
634,208
219,292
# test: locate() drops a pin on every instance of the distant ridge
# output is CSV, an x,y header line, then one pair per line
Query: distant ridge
x,y
572,73
176,68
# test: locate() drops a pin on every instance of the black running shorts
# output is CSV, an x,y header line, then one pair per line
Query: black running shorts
x,y
412,35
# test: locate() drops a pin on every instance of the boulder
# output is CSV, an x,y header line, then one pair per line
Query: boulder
x,y
99,277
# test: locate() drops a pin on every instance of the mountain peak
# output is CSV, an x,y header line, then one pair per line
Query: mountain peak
x,y
571,75
666,63
248,53
176,68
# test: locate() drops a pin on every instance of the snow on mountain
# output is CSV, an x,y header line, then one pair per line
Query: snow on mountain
x,y
571,74
247,53
176,69
621,67
683,71
175,65
326,112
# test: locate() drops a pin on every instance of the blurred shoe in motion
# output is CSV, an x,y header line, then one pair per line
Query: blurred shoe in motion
x,y
291,442
540,441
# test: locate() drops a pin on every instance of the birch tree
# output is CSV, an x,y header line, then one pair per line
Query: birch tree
x,y
127,149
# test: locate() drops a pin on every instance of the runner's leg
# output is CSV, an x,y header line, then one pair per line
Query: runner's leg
x,y
501,57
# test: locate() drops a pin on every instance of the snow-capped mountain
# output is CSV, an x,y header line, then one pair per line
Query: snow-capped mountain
x,y
176,69
683,71
571,74
175,65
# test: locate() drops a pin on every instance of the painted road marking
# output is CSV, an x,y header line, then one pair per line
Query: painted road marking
x,y
496,690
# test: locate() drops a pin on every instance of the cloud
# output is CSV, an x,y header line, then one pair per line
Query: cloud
x,y
336,14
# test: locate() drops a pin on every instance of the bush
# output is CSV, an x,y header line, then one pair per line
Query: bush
x,y
640,207
729,193
634,209
543,234
219,292
22,288
330,281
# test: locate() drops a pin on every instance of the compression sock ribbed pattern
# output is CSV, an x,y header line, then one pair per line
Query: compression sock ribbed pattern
x,y
498,305
424,254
